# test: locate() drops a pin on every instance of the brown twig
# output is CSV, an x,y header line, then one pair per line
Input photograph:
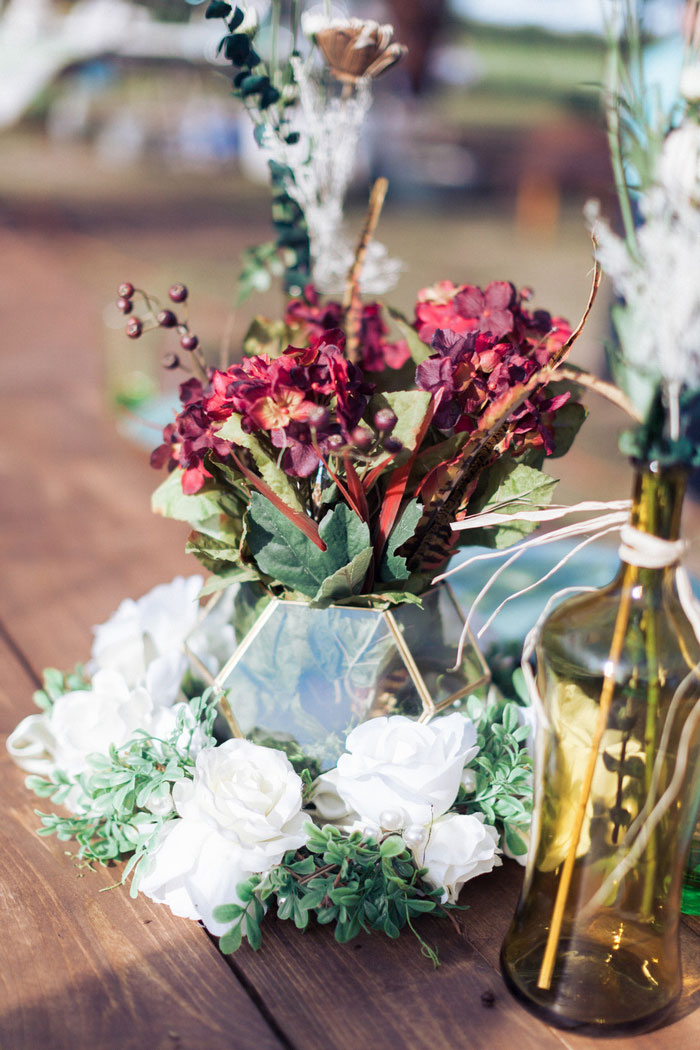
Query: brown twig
x,y
352,303
599,386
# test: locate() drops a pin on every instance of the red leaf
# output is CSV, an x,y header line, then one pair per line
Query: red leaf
x,y
397,486
356,490
307,526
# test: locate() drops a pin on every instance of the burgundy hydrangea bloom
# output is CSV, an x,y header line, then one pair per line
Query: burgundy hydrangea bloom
x,y
309,400
492,309
187,441
499,310
472,371
316,317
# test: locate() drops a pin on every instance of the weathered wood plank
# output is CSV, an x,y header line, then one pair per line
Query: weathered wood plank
x,y
84,969
381,993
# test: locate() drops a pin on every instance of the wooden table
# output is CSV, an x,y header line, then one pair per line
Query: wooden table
x,y
90,970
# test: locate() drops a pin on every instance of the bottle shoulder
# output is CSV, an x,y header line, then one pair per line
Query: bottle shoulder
x,y
580,630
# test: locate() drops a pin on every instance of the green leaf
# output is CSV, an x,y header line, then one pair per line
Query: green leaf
x,y
208,549
392,846
347,581
228,912
418,350
283,552
238,50
267,337
253,83
509,487
269,471
218,9
236,19
231,940
204,510
393,567
253,933
409,407
566,423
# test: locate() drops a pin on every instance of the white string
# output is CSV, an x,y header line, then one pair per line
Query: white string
x,y
553,513
543,579
603,523
647,551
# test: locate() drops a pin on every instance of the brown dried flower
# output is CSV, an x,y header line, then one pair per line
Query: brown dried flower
x,y
355,48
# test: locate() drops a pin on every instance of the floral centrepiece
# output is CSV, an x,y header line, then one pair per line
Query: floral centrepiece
x,y
220,831
322,467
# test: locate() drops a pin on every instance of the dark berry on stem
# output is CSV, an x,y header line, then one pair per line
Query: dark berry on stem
x,y
178,293
125,305
392,445
170,361
362,438
189,342
336,441
134,328
166,319
385,420
318,416
126,290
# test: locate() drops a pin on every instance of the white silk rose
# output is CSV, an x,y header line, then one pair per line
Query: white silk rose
x,y
144,640
238,816
459,847
107,714
398,772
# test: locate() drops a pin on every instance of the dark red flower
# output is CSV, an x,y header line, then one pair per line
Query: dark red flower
x,y
316,317
491,310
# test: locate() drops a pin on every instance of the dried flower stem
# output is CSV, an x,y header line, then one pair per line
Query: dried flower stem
x,y
599,386
353,302
618,640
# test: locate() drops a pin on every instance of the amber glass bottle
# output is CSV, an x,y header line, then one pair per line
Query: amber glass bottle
x,y
594,941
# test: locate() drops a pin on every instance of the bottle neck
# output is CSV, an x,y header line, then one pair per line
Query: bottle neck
x,y
657,500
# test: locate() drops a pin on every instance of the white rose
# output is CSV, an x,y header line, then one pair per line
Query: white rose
x,y
459,847
145,640
32,744
192,870
329,807
248,794
86,721
398,772
91,720
239,815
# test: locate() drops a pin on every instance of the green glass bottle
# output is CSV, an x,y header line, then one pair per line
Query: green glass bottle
x,y
594,942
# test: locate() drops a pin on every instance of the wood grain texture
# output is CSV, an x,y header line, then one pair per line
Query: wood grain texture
x,y
383,994
85,970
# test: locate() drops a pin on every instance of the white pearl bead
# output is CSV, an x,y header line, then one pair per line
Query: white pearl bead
x,y
371,831
469,780
415,835
391,819
161,805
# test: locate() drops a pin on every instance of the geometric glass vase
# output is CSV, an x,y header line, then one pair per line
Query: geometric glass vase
x,y
301,677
